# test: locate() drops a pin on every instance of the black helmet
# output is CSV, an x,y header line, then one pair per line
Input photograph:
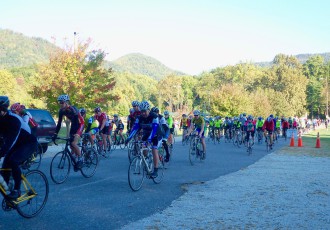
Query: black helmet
x,y
154,110
97,109
4,102
82,111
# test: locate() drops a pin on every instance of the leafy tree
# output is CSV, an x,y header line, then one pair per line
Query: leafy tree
x,y
78,74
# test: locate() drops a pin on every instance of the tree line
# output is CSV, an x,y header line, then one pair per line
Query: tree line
x,y
286,88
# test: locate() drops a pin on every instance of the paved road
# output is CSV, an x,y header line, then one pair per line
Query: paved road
x,y
106,201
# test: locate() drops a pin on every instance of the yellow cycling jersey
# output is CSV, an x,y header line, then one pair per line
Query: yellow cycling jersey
x,y
198,122
184,122
217,123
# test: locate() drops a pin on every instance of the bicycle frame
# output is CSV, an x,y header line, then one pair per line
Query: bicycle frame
x,y
29,190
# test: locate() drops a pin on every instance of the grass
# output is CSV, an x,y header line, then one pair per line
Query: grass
x,y
309,143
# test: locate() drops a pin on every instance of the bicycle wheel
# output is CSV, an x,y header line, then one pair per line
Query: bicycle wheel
x,y
161,169
193,152
136,174
90,162
34,196
132,151
60,167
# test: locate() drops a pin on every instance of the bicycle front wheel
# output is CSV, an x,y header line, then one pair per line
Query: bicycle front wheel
x,y
136,174
34,196
161,170
193,152
60,167
90,162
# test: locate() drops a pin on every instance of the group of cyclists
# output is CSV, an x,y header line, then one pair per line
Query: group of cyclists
x,y
156,128
219,127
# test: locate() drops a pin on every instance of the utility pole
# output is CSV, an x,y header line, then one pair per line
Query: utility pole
x,y
74,41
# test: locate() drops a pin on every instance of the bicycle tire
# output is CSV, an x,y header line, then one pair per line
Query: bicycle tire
x,y
90,162
161,170
193,152
31,207
61,163
136,174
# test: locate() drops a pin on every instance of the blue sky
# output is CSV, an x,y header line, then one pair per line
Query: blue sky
x,y
190,36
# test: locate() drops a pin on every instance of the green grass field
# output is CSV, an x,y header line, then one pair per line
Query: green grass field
x,y
309,143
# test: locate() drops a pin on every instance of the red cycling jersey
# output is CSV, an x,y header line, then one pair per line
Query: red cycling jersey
x,y
100,118
268,125
285,124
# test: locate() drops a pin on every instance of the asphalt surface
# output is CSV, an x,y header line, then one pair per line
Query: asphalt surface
x,y
106,200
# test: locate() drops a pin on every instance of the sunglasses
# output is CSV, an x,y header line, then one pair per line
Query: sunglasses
x,y
62,102
196,115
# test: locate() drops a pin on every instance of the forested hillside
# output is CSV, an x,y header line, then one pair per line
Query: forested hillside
x,y
18,50
302,58
137,63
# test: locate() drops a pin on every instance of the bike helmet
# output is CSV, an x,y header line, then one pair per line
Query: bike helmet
x,y
271,115
144,105
97,109
166,113
4,102
269,119
197,112
154,110
63,97
259,118
115,115
244,114
250,117
135,103
184,115
16,107
82,111
226,118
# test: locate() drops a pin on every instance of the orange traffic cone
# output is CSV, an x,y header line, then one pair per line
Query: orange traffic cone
x,y
318,142
300,144
292,141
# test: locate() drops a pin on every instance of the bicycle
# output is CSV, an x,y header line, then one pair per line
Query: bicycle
x,y
260,136
185,138
34,194
196,150
98,141
116,140
269,143
237,138
142,167
34,161
249,144
62,161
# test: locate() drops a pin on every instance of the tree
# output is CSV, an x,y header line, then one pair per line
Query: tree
x,y
78,74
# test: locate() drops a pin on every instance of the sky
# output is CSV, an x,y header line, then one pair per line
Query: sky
x,y
191,36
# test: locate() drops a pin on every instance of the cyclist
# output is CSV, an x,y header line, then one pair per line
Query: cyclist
x,y
92,126
165,131
77,125
184,125
19,144
198,124
227,124
285,126
132,117
269,127
20,110
101,117
217,126
249,127
169,120
278,126
211,126
149,123
259,125
119,128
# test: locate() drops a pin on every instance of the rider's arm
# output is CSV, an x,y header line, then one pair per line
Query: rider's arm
x,y
155,124
136,127
11,134
59,122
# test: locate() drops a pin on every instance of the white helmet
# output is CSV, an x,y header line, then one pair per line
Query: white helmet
x,y
144,105
197,112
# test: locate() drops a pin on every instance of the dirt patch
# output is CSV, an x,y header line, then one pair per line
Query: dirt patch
x,y
305,151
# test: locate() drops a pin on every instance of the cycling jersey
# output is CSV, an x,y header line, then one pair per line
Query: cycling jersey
x,y
268,125
278,123
217,123
149,125
198,122
184,122
100,118
249,126
260,123
77,121
169,121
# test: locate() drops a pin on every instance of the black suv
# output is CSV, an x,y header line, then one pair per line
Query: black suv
x,y
46,126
